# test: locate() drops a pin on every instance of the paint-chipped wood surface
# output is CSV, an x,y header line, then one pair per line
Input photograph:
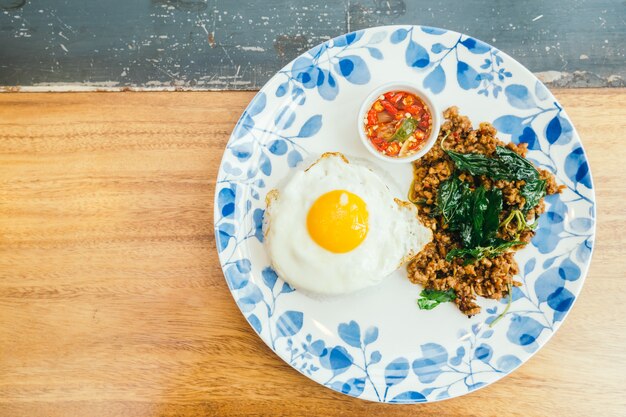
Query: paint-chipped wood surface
x,y
239,45
112,301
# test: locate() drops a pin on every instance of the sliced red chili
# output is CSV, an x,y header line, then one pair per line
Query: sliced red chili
x,y
413,109
389,107
396,98
372,117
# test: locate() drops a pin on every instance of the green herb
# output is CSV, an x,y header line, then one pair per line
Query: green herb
x,y
451,196
492,213
479,207
518,167
535,187
520,218
532,192
471,255
466,234
507,165
479,164
430,299
405,130
474,214
487,205
506,310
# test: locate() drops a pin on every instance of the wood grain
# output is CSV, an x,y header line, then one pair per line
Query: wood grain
x,y
112,301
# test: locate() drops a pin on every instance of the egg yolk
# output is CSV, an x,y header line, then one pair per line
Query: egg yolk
x,y
337,221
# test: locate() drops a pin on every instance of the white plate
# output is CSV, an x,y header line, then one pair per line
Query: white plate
x,y
377,345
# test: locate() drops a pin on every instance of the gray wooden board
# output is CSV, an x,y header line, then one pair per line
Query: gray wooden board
x,y
239,44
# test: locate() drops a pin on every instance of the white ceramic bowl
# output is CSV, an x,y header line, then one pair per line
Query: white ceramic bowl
x,y
399,86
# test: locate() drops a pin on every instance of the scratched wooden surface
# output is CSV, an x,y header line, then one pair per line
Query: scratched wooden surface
x,y
211,44
112,301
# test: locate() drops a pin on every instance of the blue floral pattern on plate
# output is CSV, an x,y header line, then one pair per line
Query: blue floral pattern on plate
x,y
385,353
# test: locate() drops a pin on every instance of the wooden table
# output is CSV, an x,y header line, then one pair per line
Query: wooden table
x,y
112,301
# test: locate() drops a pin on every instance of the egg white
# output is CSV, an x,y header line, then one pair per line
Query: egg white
x,y
394,234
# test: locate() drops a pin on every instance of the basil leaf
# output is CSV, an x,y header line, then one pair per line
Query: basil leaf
x,y
472,255
532,192
448,198
492,214
476,214
479,207
464,211
430,299
519,168
465,231
451,198
475,163
508,165
405,130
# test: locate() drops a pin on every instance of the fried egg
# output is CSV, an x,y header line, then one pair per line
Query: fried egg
x,y
336,228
